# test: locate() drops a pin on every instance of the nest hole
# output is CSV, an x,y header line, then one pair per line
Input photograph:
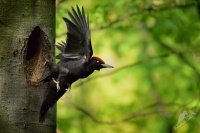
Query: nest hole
x,y
37,49
33,43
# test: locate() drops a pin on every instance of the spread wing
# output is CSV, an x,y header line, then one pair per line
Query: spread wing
x,y
78,42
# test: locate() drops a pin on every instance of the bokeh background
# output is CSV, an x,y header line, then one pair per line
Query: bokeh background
x,y
154,87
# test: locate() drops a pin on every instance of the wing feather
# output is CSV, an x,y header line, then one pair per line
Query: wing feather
x,y
73,29
78,40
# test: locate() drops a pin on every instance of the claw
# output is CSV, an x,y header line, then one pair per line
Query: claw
x,y
57,84
68,92
46,62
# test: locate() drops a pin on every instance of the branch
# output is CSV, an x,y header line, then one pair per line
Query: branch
x,y
140,113
180,54
148,9
186,61
124,67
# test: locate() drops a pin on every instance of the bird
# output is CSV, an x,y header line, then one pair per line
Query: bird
x,y
76,59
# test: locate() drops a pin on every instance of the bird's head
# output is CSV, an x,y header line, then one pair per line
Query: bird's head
x,y
98,63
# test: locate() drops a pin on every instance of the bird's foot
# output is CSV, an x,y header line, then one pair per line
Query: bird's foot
x,y
68,93
46,60
48,63
57,84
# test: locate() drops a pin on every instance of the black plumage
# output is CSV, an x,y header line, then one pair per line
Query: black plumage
x,y
76,59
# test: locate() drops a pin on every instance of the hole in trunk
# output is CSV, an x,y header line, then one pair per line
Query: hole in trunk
x,y
33,43
37,50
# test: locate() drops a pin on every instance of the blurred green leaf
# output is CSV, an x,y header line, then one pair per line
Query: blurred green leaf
x,y
149,96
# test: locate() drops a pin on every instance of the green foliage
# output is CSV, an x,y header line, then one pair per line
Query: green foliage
x,y
162,38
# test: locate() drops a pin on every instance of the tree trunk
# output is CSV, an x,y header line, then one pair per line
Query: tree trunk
x,y
27,36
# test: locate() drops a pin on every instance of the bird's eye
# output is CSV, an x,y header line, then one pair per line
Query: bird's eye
x,y
97,61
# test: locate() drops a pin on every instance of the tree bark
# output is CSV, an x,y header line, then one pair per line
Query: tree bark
x,y
26,40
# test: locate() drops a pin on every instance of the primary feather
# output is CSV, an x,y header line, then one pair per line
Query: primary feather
x,y
78,42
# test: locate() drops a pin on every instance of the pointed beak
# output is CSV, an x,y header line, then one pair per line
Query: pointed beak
x,y
106,66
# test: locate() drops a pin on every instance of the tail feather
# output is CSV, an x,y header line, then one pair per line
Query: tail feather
x,y
44,109
50,100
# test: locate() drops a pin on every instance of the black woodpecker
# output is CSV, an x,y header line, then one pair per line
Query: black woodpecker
x,y
76,60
